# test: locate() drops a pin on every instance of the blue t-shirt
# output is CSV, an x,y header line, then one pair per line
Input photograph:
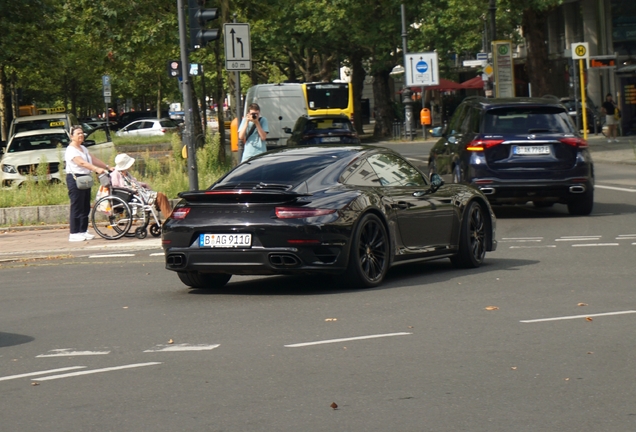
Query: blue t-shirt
x,y
254,145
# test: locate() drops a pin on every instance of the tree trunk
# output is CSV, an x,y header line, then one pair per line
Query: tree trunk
x,y
534,24
383,105
357,81
5,118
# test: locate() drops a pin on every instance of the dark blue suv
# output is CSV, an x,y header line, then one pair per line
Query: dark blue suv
x,y
517,150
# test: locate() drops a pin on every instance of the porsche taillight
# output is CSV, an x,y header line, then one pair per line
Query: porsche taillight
x,y
482,144
180,213
574,142
301,212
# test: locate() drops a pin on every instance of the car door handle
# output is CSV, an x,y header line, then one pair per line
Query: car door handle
x,y
402,205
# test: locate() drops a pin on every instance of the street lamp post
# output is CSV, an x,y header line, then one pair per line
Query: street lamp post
x,y
406,92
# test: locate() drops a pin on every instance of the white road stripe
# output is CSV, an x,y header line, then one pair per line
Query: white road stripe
x,y
66,352
94,371
522,238
578,239
111,255
532,247
578,316
615,188
520,241
595,244
10,377
346,339
158,254
181,347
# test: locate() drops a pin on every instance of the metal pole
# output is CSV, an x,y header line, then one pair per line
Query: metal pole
x,y
583,101
187,100
493,23
205,103
239,113
408,109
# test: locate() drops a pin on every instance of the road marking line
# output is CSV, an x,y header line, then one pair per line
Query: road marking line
x,y
5,378
595,244
66,352
578,316
111,255
158,254
532,247
615,188
522,238
182,347
94,371
578,239
346,339
520,241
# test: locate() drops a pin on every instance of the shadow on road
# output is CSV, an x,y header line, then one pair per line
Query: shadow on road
x,y
11,339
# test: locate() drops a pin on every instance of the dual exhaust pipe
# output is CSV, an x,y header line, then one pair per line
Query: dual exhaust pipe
x,y
577,189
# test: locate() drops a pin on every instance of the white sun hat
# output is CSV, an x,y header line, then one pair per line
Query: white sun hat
x,y
123,162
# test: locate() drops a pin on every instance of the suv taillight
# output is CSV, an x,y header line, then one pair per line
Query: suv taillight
x,y
482,144
574,142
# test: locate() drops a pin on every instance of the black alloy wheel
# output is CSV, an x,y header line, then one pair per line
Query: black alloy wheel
x,y
204,280
369,255
472,239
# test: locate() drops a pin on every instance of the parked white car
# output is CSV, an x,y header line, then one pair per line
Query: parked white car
x,y
26,150
149,127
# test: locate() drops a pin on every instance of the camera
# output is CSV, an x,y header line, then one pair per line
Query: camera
x,y
254,116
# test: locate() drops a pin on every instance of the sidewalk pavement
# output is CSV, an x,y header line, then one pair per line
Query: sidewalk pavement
x,y
50,241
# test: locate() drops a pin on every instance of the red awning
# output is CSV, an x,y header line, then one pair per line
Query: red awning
x,y
473,83
444,85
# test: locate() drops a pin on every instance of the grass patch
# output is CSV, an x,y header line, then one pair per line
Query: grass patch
x,y
168,175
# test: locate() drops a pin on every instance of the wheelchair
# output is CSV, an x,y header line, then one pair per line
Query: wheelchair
x,y
125,212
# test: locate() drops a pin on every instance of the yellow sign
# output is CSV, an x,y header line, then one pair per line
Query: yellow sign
x,y
488,70
580,50
56,124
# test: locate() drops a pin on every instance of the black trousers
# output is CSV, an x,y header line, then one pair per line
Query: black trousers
x,y
80,205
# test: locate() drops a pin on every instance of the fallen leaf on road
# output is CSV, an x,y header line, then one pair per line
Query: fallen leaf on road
x,y
590,352
34,383
567,379
170,341
491,308
588,319
334,405
331,319
125,307
514,368
582,304
410,326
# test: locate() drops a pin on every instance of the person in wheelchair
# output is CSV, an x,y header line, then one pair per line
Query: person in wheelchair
x,y
121,178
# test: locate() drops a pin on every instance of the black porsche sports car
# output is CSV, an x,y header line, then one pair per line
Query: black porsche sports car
x,y
351,210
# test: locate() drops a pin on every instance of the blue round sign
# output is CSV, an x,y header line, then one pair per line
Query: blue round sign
x,y
421,66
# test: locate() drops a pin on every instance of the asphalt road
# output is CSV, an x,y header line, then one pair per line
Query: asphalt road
x,y
540,338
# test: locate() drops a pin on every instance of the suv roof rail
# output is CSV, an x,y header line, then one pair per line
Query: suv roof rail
x,y
551,97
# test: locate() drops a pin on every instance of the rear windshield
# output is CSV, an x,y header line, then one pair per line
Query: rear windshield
x,y
168,123
324,96
39,125
328,124
278,169
522,120
38,142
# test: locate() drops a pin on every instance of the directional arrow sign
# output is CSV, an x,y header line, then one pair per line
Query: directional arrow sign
x,y
238,54
421,69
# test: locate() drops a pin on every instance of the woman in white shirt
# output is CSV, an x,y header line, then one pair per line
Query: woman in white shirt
x,y
79,162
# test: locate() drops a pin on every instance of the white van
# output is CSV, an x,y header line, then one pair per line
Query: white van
x,y
281,105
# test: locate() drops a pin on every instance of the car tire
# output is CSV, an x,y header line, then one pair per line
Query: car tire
x,y
457,174
472,238
583,205
369,254
204,280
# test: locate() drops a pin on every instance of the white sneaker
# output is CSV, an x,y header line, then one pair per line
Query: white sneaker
x,y
88,236
609,141
77,237
616,140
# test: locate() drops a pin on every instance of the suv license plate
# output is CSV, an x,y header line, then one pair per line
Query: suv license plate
x,y
531,150
330,139
225,240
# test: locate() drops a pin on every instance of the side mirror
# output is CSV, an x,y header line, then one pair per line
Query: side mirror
x,y
287,130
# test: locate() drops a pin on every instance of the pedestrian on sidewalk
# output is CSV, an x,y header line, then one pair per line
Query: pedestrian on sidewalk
x,y
79,163
123,179
609,109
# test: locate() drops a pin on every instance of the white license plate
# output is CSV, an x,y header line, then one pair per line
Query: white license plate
x,y
531,150
225,240
330,139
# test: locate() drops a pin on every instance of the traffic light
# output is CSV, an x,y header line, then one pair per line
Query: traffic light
x,y
199,16
174,68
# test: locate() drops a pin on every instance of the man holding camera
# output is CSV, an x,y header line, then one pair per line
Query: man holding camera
x,y
253,132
